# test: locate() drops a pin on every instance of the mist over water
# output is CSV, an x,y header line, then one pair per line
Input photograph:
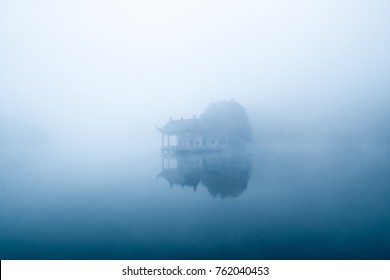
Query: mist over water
x,y
85,84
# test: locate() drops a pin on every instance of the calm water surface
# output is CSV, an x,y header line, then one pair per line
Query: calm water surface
x,y
273,202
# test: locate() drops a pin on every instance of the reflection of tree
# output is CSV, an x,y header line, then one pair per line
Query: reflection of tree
x,y
223,174
226,176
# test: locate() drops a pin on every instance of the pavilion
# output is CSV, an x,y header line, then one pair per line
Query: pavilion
x,y
190,135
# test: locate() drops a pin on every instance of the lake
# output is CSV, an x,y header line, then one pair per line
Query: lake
x,y
269,201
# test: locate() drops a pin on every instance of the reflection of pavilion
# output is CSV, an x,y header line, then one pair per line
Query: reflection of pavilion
x,y
223,174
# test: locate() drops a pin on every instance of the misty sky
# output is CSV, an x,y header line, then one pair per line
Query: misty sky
x,y
91,67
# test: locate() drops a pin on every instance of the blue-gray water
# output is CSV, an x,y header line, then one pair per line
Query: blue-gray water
x,y
280,201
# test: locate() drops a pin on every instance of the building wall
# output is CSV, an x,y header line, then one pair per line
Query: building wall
x,y
196,141
190,140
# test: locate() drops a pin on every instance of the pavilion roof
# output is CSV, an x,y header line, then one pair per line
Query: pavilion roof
x,y
182,125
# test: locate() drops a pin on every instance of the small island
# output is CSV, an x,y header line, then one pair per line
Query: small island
x,y
223,125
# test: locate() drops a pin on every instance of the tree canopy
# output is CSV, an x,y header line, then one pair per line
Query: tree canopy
x,y
229,118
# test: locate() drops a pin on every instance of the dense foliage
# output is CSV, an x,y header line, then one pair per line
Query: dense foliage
x,y
229,118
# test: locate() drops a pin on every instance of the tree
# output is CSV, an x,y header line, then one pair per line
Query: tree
x,y
228,118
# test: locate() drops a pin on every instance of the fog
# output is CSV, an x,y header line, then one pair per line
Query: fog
x,y
109,72
85,84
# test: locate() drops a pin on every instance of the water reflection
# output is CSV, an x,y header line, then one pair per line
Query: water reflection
x,y
224,174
